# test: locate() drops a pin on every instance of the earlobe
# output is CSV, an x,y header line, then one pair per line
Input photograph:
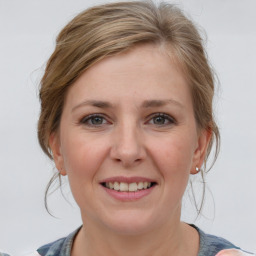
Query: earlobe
x,y
201,150
55,146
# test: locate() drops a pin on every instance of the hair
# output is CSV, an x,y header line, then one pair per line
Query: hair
x,y
109,29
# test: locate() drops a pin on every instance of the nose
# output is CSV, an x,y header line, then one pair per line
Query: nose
x,y
127,145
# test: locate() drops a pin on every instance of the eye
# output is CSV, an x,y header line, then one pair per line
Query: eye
x,y
161,119
94,120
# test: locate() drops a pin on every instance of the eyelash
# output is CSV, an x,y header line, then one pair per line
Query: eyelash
x,y
87,120
166,117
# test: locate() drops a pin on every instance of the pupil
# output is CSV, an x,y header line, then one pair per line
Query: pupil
x,y
159,120
97,120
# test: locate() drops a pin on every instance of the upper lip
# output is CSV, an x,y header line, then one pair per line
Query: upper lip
x,y
127,179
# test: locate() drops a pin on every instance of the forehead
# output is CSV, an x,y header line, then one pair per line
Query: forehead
x,y
140,73
158,58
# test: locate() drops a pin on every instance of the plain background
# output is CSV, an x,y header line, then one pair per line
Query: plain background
x,y
28,29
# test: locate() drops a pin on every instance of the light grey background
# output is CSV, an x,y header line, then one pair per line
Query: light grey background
x,y
27,32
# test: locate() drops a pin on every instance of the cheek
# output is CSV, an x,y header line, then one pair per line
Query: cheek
x,y
175,155
174,158
82,157
82,160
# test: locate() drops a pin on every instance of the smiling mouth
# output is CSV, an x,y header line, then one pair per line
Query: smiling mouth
x,y
128,187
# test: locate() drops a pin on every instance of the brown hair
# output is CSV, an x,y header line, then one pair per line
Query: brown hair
x,y
113,28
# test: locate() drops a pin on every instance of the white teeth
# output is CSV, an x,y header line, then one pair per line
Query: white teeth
x,y
133,187
125,187
140,185
111,185
116,185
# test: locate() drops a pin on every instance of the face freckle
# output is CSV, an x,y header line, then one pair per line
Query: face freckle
x,y
129,119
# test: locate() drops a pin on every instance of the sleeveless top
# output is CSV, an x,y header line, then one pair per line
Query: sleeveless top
x,y
209,245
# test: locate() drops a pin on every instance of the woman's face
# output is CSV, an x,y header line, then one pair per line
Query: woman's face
x,y
128,141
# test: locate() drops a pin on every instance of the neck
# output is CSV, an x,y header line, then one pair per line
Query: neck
x,y
172,239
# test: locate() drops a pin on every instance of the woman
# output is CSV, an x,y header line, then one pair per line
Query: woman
x,y
126,113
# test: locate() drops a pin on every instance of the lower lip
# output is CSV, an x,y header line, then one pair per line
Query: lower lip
x,y
129,196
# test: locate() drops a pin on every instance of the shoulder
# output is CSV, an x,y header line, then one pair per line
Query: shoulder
x,y
210,245
53,248
59,247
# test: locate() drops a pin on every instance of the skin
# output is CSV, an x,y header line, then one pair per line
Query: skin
x,y
128,137
232,252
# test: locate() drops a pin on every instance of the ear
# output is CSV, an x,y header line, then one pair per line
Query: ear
x,y
201,149
54,142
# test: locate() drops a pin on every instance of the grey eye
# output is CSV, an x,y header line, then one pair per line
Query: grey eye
x,y
160,120
96,120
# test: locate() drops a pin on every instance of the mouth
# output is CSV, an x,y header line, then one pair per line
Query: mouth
x,y
128,186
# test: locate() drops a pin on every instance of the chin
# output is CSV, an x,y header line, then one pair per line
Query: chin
x,y
131,222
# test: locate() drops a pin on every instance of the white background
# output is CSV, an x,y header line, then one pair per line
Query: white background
x,y
27,32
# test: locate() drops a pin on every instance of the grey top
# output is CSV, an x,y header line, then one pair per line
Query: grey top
x,y
209,245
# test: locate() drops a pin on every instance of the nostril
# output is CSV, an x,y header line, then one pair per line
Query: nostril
x,y
127,150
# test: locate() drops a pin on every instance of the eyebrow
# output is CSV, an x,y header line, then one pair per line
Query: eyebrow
x,y
145,104
160,103
94,103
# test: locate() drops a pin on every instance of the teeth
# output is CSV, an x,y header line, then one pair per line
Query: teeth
x,y
111,185
133,187
140,185
116,185
125,187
